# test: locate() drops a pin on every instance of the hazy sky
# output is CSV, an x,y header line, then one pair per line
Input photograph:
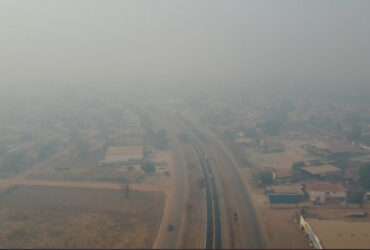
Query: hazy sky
x,y
185,42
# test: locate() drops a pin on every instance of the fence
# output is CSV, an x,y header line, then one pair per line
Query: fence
x,y
310,233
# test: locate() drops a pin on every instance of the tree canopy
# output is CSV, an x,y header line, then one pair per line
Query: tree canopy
x,y
365,176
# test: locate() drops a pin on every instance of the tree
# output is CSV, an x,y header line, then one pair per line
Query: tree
x,y
356,132
149,167
228,134
127,191
298,164
162,139
48,149
272,127
170,228
266,177
251,132
339,127
355,196
14,162
364,174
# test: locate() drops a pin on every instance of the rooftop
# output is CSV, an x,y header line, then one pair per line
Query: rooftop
x,y
324,186
342,234
125,151
286,189
351,173
342,146
243,140
321,170
283,172
122,154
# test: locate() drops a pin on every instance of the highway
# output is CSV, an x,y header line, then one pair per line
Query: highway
x,y
177,195
238,224
214,227
231,218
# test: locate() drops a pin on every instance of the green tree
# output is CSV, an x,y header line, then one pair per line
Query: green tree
x,y
266,177
355,197
356,132
298,164
15,161
162,139
149,167
272,127
364,173
46,150
251,132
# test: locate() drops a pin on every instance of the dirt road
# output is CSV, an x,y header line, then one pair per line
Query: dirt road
x,y
9,183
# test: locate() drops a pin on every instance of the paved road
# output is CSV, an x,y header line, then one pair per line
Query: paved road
x,y
242,230
213,234
175,207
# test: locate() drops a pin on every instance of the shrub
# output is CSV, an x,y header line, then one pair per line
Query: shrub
x,y
149,167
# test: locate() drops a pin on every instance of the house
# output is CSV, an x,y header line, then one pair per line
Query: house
x,y
244,141
321,192
282,175
128,155
315,150
339,147
351,174
366,198
271,146
326,171
357,214
285,194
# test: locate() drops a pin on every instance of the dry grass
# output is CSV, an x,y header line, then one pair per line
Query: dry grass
x,y
78,218
282,229
281,160
278,224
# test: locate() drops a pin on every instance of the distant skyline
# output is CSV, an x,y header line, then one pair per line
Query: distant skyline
x,y
188,42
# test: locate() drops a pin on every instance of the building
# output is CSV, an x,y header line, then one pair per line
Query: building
x,y
130,155
342,147
282,175
315,150
351,173
285,194
271,146
340,234
366,198
321,192
244,141
322,171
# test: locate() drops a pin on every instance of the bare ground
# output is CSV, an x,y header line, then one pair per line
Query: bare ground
x,y
40,217
279,225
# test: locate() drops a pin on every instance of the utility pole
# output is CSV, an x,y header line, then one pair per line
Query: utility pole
x,y
127,190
